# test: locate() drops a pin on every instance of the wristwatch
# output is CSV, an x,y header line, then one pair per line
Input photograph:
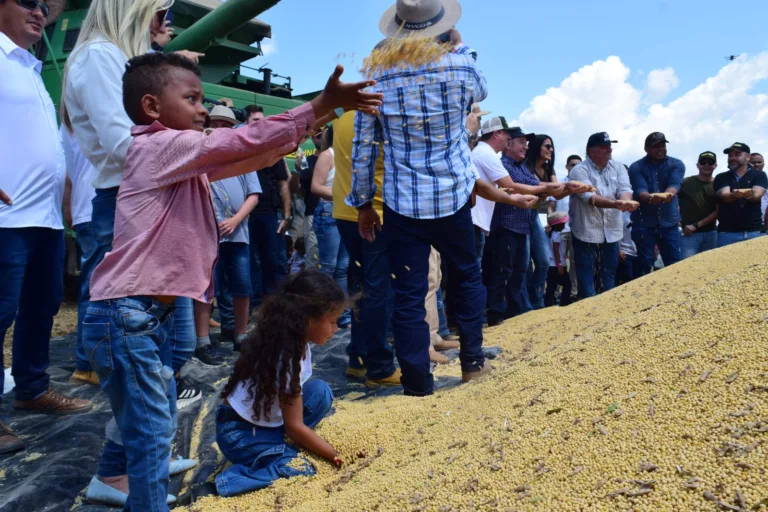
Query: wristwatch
x,y
289,219
696,225
365,206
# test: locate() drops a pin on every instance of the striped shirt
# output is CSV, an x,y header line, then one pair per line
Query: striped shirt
x,y
589,223
428,172
512,218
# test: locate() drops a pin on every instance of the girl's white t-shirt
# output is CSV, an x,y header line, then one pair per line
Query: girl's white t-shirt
x,y
238,399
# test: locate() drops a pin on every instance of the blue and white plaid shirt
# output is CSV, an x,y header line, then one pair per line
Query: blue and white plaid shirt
x,y
428,172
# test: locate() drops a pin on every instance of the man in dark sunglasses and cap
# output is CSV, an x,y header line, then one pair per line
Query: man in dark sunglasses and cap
x,y
31,226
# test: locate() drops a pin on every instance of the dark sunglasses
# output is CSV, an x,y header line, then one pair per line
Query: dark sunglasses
x,y
548,146
31,4
706,162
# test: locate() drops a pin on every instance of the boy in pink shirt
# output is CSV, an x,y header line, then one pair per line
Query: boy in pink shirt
x,y
165,246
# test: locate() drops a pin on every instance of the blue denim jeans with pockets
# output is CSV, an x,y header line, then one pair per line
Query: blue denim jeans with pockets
x,y
725,238
260,455
334,259
87,244
371,321
646,239
698,242
127,342
586,260
541,251
31,288
409,243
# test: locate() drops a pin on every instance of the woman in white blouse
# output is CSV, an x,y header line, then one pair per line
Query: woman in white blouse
x,y
92,109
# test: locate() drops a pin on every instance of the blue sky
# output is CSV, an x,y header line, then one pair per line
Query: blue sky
x,y
525,48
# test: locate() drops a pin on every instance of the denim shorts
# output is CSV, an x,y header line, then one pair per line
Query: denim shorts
x,y
234,268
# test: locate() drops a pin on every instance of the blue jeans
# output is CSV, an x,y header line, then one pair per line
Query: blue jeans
x,y
370,322
727,238
625,270
233,279
646,239
31,289
267,274
334,259
87,244
509,261
541,251
586,254
260,455
182,333
128,343
409,243
698,242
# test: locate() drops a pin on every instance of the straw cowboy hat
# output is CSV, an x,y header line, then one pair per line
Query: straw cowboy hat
x,y
55,8
422,17
222,113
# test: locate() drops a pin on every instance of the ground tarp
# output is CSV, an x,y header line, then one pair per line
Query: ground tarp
x,y
62,452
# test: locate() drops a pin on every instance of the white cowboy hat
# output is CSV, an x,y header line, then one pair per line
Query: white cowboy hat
x,y
422,17
222,113
55,8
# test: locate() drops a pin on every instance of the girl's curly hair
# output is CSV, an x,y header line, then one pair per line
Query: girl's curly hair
x,y
274,350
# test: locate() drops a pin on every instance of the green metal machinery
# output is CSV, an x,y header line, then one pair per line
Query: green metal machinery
x,y
227,32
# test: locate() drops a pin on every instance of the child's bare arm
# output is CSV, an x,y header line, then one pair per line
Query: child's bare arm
x,y
293,419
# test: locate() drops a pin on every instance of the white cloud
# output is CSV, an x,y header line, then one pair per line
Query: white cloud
x,y
268,47
711,116
659,83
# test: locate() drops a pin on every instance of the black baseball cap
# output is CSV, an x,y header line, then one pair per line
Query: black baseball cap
x,y
708,155
516,132
600,139
655,138
739,146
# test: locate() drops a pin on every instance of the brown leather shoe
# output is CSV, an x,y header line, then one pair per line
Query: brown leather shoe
x,y
442,346
9,441
438,358
53,402
482,372
82,377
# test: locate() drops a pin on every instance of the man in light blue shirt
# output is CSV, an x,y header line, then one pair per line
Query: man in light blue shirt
x,y
656,179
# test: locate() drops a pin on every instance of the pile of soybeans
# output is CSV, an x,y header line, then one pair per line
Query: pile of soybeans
x,y
651,397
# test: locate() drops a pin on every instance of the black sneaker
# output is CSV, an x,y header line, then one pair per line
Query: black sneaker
x,y
186,395
207,357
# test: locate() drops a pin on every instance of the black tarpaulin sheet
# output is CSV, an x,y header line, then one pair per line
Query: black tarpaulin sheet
x,y
62,452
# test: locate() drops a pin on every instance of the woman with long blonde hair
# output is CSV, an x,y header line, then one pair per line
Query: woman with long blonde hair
x,y
113,32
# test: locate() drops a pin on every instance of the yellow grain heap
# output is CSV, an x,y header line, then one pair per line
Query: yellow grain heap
x,y
652,397
406,52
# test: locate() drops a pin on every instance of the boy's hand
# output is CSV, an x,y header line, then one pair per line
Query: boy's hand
x,y
348,96
228,226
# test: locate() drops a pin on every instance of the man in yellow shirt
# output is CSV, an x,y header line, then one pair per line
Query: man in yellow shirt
x,y
370,354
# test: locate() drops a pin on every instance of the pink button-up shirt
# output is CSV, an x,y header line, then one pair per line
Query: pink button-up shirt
x,y
166,235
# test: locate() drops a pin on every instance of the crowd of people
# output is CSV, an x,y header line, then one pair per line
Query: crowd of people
x,y
426,215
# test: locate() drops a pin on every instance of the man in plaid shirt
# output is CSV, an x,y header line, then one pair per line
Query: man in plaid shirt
x,y
428,181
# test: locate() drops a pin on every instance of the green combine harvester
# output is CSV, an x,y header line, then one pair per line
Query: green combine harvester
x,y
228,33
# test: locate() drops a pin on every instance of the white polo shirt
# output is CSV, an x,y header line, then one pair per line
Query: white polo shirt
x,y
81,174
490,169
31,157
